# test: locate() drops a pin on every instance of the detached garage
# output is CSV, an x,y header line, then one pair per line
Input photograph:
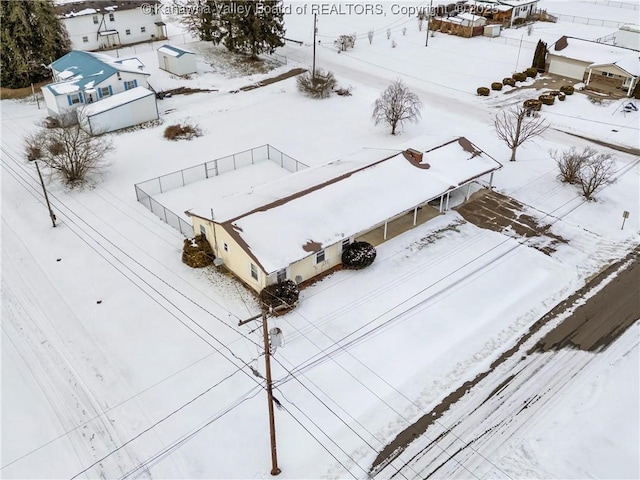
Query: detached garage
x,y
123,110
176,60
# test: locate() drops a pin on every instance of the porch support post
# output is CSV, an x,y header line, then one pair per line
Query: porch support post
x,y
384,235
415,215
631,86
446,207
441,200
491,180
589,76
466,197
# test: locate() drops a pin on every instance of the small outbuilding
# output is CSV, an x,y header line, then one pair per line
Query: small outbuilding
x,y
628,36
123,110
492,30
176,60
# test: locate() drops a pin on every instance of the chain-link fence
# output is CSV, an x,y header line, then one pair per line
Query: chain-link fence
x,y
158,185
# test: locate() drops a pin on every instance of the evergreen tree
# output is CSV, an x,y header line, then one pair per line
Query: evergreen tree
x,y
31,37
540,56
252,27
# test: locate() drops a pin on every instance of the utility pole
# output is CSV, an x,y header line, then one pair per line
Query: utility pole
x,y
272,423
267,360
46,197
315,31
426,43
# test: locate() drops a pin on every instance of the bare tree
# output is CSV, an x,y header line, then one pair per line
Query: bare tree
x,y
396,105
68,151
516,125
370,36
570,163
595,172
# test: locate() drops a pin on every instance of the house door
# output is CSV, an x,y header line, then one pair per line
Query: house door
x,y
166,63
89,98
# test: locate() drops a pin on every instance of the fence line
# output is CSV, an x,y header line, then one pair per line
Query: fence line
x,y
514,41
610,39
164,183
277,57
589,21
610,3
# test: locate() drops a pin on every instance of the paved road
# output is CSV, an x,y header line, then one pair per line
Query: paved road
x,y
505,399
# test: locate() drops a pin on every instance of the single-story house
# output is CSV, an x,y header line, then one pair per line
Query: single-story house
x,y
628,36
83,77
123,110
467,19
176,60
598,65
296,227
506,12
98,24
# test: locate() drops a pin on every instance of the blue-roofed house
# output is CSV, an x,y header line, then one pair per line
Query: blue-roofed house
x,y
176,60
81,78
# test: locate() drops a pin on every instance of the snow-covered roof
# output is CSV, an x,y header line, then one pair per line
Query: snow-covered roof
x,y
80,70
114,101
174,51
92,7
489,6
470,16
517,3
281,231
597,54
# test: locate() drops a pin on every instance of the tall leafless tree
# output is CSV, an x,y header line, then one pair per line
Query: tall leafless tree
x,y
570,162
396,105
516,126
68,151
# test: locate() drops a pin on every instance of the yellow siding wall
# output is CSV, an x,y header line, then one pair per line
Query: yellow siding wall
x,y
308,268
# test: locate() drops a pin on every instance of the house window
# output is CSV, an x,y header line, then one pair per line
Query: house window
x,y
203,231
226,247
105,92
95,19
130,84
127,31
320,256
254,272
74,99
111,18
345,243
607,74
143,29
85,39
281,276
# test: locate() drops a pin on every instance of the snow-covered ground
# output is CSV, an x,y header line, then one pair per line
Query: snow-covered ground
x,y
119,360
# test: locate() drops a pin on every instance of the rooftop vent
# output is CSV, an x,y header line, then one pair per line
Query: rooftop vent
x,y
414,154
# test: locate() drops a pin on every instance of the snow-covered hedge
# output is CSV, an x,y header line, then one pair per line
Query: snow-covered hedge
x,y
285,293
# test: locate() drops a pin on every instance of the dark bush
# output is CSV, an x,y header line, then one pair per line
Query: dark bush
x,y
509,81
553,93
483,91
197,252
285,293
496,86
182,132
547,99
531,72
533,104
319,86
567,89
358,255
519,77
561,97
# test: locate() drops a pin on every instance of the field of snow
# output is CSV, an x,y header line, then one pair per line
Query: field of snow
x,y
118,360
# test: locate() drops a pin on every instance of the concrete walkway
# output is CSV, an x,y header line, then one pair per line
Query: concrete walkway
x,y
399,225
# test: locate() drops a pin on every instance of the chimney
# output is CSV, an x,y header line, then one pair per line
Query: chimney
x,y
414,154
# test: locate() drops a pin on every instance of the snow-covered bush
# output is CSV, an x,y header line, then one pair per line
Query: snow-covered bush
x,y
567,89
509,81
358,255
496,86
183,131
285,293
319,86
547,99
197,252
483,91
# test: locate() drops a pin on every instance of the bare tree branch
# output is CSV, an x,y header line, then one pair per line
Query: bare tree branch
x,y
516,126
596,172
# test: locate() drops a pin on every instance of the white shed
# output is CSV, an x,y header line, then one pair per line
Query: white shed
x,y
492,30
176,60
123,110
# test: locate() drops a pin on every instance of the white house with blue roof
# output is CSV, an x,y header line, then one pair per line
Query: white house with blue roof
x,y
82,78
176,60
